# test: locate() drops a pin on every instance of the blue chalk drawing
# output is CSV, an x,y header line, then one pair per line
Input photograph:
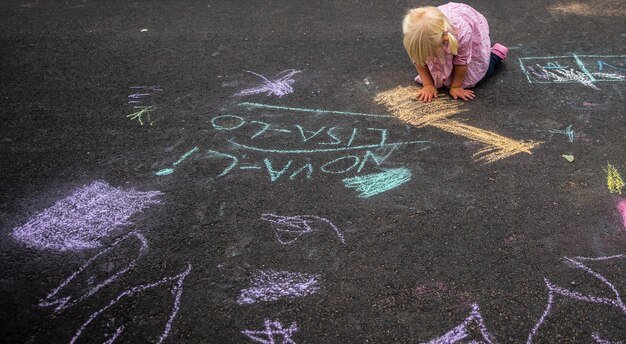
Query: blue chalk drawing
x,y
317,111
330,133
322,150
569,132
356,160
266,127
314,133
309,171
232,165
584,69
274,175
217,126
167,171
374,184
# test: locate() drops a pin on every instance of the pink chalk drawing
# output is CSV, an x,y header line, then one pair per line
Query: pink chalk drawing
x,y
290,228
621,206
554,290
270,285
79,221
461,332
272,329
176,290
54,298
280,84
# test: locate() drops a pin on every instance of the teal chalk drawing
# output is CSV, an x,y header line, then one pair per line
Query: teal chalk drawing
x,y
317,111
377,183
376,158
354,131
569,132
584,69
168,171
274,174
383,135
330,133
254,167
266,128
314,133
322,150
309,171
325,167
230,167
143,110
227,118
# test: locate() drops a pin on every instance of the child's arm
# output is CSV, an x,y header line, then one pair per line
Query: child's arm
x,y
428,91
456,87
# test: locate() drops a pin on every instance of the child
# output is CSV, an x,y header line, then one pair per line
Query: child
x,y
450,46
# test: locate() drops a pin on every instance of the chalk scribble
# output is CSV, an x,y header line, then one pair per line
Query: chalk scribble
x,y
568,132
170,170
80,220
290,228
279,85
141,112
401,102
55,299
376,183
270,285
613,180
272,330
176,290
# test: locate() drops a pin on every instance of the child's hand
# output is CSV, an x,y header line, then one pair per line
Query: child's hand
x,y
459,92
427,93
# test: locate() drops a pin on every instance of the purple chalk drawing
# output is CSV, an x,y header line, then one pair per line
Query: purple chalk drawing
x,y
554,290
177,292
280,84
270,285
289,228
272,329
461,332
599,340
54,299
79,221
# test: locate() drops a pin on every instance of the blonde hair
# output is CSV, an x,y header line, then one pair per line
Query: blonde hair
x,y
423,30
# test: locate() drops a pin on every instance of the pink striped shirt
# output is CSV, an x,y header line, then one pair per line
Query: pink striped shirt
x,y
474,48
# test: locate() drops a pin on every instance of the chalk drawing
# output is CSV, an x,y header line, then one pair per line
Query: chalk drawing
x,y
569,132
462,332
279,85
554,290
374,184
288,229
234,161
270,285
136,98
599,340
142,110
150,88
176,290
323,150
315,111
401,102
584,69
80,220
613,180
273,329
621,206
266,127
168,171
54,299
601,8
227,120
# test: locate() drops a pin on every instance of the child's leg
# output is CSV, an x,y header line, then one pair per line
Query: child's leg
x,y
498,54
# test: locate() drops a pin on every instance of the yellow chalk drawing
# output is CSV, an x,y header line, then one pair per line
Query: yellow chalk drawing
x,y
402,102
604,8
614,180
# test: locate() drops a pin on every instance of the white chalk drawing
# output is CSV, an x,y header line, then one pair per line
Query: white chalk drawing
x,y
176,290
270,285
462,332
272,330
288,229
79,221
554,290
279,85
55,299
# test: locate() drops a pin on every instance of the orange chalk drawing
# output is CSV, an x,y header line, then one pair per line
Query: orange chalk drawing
x,y
613,180
402,103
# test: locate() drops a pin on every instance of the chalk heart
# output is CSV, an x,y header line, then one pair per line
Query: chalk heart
x,y
127,317
102,269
